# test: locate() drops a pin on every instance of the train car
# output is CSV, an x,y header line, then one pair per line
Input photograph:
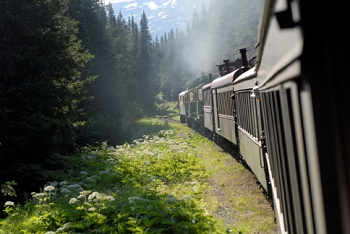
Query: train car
x,y
190,106
302,63
181,104
193,103
223,107
214,97
249,126
198,117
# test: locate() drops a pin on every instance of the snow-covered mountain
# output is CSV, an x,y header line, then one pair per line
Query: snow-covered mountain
x,y
162,15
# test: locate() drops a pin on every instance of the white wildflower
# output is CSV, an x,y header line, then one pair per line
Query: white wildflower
x,y
92,209
81,197
73,200
110,198
93,195
49,188
9,203
85,192
50,232
39,195
64,227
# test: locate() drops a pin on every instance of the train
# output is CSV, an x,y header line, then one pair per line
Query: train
x,y
286,113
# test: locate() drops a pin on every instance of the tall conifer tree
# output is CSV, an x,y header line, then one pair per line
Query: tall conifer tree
x,y
145,78
41,90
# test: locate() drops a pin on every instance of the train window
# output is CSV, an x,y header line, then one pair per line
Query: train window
x,y
220,103
246,109
200,95
207,97
191,96
225,104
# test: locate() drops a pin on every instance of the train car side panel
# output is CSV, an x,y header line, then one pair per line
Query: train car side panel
x,y
225,113
182,110
250,126
224,118
253,155
207,109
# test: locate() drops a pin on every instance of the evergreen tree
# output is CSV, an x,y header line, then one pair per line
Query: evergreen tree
x,y
134,50
42,93
156,60
122,61
144,68
106,106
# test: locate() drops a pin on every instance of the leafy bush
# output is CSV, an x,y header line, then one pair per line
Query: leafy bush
x,y
164,107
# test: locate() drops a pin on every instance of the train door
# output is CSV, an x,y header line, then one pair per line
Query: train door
x,y
235,120
216,124
207,109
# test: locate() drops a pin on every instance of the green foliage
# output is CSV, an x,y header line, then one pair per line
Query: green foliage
x,y
100,128
143,127
155,185
134,112
7,188
42,95
165,107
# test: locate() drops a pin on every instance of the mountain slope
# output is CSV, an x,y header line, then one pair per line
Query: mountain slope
x,y
162,15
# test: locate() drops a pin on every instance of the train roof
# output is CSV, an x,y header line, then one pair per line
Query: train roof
x,y
227,79
183,93
246,75
201,85
206,86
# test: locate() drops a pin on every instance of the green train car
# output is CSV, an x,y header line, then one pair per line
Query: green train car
x,y
191,104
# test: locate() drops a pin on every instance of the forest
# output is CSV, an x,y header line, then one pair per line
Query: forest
x,y
76,73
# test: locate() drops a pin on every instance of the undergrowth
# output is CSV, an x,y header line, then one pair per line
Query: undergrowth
x,y
154,185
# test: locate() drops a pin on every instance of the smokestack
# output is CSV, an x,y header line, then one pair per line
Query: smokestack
x,y
244,59
210,78
227,66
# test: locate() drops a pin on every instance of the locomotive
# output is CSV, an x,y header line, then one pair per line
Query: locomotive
x,y
286,115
